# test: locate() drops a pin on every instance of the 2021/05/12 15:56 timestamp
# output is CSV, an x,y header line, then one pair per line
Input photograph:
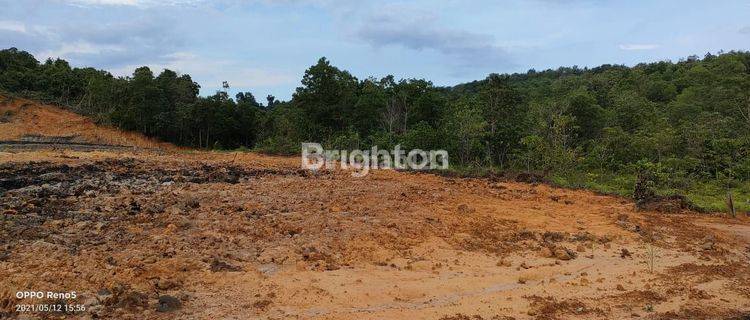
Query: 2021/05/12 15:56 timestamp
x,y
50,307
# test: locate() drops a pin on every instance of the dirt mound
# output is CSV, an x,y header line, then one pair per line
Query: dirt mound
x,y
28,121
646,198
666,204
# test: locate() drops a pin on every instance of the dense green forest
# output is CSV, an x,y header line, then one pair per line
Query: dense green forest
x,y
686,122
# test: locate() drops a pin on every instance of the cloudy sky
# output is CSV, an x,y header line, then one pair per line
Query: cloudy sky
x,y
264,46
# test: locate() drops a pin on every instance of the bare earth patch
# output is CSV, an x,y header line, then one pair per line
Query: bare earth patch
x,y
222,235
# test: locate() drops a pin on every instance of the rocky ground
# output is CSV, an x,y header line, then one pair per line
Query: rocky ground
x,y
195,235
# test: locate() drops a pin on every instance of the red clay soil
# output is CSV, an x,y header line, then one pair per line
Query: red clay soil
x,y
200,235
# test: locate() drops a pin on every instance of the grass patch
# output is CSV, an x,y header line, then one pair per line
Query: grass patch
x,y
707,195
608,183
713,197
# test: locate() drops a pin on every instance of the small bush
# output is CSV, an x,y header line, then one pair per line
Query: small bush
x,y
278,145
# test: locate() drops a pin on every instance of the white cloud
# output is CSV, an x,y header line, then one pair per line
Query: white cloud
x,y
80,47
14,26
745,30
101,45
132,3
638,46
107,2
211,73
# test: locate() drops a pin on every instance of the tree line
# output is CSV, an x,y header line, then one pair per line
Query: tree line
x,y
687,119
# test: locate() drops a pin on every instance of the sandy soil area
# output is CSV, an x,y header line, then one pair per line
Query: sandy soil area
x,y
240,236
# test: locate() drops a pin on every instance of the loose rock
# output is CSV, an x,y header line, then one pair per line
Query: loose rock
x,y
168,303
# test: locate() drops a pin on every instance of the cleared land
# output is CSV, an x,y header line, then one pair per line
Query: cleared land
x,y
196,235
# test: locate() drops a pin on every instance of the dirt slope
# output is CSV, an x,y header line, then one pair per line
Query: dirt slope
x,y
22,119
197,235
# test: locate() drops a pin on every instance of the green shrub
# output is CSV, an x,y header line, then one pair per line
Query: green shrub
x,y
278,145
347,140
